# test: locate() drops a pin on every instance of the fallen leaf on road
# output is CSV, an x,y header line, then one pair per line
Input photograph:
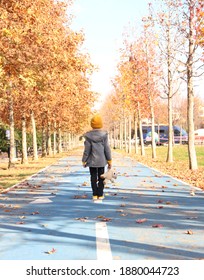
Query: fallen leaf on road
x,y
106,219
51,251
80,196
35,187
189,232
103,218
35,213
22,217
192,218
45,225
169,202
16,207
140,221
120,210
4,192
157,226
83,219
192,193
122,205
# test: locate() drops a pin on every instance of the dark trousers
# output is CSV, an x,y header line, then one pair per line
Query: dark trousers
x,y
96,181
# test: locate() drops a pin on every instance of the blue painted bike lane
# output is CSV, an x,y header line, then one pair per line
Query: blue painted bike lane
x,y
145,215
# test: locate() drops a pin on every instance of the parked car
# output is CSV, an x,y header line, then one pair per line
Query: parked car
x,y
162,135
148,138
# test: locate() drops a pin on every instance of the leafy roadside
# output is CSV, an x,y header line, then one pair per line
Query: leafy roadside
x,y
179,168
10,177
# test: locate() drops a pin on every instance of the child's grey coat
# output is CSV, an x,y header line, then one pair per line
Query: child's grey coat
x,y
96,148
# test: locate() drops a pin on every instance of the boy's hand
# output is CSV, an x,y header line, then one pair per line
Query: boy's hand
x,y
84,164
109,164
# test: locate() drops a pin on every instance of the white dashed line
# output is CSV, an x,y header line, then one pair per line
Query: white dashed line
x,y
102,242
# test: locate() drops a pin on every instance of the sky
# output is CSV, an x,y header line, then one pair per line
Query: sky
x,y
103,23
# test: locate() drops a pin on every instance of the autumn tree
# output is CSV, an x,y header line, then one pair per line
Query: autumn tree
x,y
44,77
152,73
130,85
138,89
178,38
166,22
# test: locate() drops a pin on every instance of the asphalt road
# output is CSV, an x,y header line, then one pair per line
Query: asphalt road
x,y
146,215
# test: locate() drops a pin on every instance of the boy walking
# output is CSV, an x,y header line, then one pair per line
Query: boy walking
x,y
97,155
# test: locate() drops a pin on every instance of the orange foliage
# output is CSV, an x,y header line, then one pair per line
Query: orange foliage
x,y
41,65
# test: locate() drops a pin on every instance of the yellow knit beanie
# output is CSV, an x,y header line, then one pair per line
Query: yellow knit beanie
x,y
96,122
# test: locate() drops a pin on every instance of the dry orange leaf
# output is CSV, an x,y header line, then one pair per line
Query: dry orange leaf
x,y
189,232
51,251
140,221
35,213
157,226
106,219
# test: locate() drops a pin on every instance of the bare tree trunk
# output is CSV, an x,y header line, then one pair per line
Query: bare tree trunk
x,y
24,159
170,96
44,150
125,134
129,132
54,139
114,136
141,133
149,70
153,136
190,113
12,155
59,142
136,136
170,123
69,141
121,134
49,142
35,148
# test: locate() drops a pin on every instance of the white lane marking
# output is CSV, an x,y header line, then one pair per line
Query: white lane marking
x,y
41,200
102,242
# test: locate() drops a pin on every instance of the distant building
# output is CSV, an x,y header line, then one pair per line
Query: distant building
x,y
201,116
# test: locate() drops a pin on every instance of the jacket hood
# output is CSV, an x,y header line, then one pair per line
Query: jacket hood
x,y
96,135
